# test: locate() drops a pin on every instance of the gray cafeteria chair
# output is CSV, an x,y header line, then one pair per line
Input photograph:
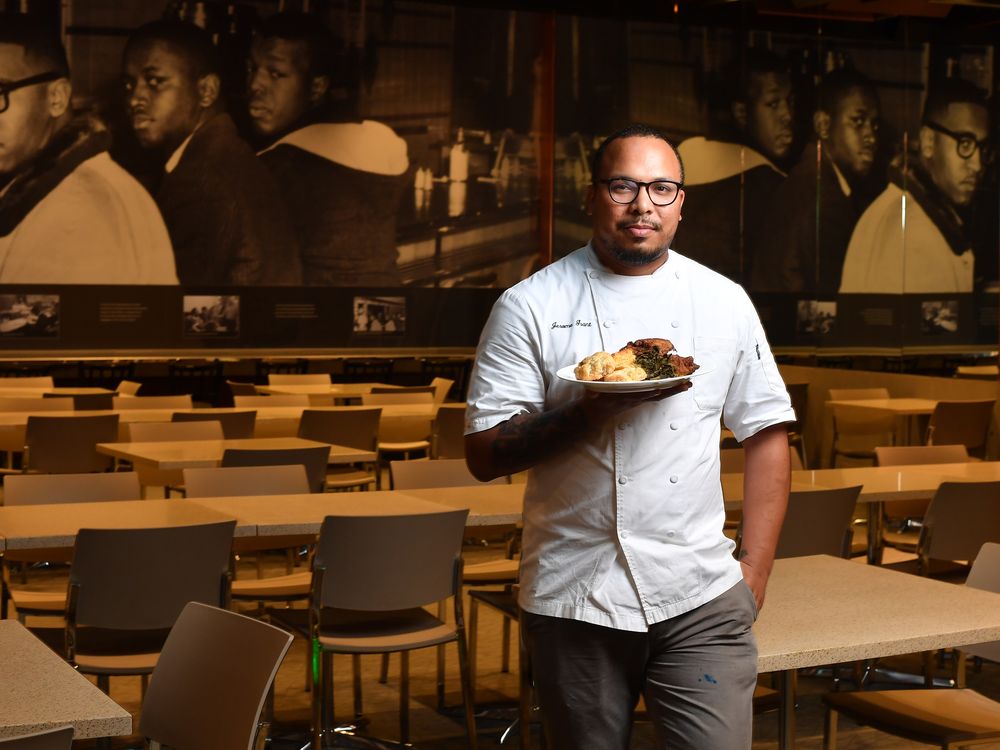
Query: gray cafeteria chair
x,y
236,425
60,738
212,680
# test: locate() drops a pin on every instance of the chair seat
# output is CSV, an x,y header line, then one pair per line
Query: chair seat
x,y
34,602
276,587
348,477
404,447
933,716
499,571
348,631
124,664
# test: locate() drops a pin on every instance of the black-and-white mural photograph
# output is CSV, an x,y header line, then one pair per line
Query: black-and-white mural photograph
x,y
212,315
29,315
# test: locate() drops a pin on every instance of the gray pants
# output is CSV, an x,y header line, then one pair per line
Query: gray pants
x,y
697,672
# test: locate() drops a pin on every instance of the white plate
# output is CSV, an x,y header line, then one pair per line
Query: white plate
x,y
631,386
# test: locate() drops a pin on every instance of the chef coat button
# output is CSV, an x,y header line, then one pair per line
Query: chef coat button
x,y
625,534
674,479
608,323
674,324
593,274
622,480
671,533
673,425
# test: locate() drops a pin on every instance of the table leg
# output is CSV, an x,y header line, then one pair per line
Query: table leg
x,y
875,533
786,710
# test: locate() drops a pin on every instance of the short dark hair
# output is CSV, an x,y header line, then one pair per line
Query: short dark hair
x,y
189,41
633,130
320,44
945,91
42,45
838,84
754,62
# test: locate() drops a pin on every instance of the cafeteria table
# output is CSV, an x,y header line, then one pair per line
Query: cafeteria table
x,y
174,455
41,691
41,390
824,610
905,410
342,391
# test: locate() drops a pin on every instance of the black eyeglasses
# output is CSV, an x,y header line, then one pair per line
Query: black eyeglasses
x,y
965,143
661,192
7,86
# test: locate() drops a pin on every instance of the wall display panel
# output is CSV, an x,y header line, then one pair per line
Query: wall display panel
x,y
844,176
242,183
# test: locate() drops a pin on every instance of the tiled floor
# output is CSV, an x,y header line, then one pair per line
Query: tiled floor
x,y
496,695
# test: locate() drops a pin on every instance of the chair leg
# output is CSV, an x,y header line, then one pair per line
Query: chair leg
x,y
383,675
830,730
404,697
359,708
322,702
443,616
505,648
467,698
524,693
473,639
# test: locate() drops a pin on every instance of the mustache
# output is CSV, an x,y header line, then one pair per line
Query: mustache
x,y
625,224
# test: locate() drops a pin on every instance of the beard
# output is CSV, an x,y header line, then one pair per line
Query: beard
x,y
631,257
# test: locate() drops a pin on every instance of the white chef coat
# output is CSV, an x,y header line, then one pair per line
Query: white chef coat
x,y
625,529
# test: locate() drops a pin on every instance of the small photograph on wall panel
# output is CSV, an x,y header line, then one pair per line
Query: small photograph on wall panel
x,y
29,315
938,316
215,315
379,315
816,317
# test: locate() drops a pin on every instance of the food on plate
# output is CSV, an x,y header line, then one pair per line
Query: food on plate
x,y
642,359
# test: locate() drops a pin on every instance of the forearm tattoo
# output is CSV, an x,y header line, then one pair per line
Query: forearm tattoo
x,y
526,439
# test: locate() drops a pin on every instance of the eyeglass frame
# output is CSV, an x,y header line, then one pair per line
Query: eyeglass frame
x,y
7,87
638,184
982,146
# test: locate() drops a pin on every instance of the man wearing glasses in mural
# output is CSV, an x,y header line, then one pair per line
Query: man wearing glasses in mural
x,y
340,177
825,193
628,584
225,216
932,193
68,213
732,183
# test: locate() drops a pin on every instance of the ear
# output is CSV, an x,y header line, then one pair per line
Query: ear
x,y
739,110
821,125
680,204
208,90
318,88
59,95
927,141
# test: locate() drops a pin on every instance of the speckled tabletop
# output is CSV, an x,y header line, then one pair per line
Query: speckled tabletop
x,y
39,691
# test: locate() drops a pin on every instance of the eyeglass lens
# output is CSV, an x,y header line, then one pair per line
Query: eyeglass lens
x,y
661,193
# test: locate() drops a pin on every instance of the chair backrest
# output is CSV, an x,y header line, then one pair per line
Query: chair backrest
x,y
156,432
858,394
397,396
441,386
89,401
444,472
39,403
907,455
961,518
32,381
351,426
383,563
66,445
733,460
235,481
313,459
128,388
236,425
60,738
961,422
238,388
153,402
448,431
141,579
818,523
43,489
211,680
308,378
985,574
278,399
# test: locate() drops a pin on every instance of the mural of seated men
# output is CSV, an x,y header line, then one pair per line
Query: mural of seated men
x,y
931,251
341,179
730,185
68,213
816,208
221,206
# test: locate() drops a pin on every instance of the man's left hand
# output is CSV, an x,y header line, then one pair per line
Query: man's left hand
x,y
757,581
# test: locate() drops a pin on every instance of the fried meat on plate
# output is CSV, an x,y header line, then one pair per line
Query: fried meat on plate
x,y
642,359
